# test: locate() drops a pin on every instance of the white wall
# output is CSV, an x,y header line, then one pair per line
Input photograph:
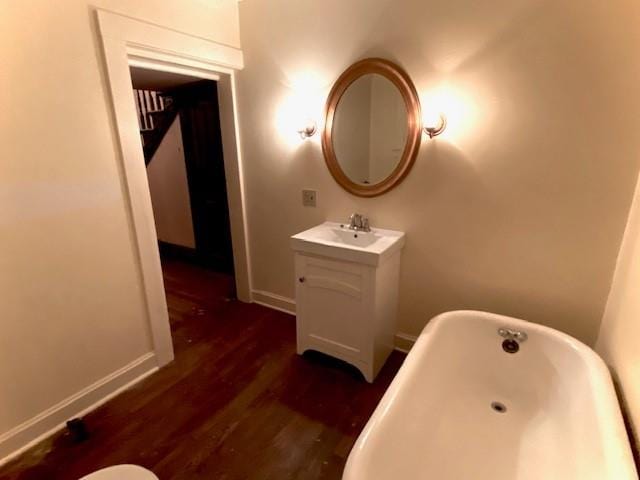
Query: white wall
x,y
388,128
370,129
620,331
72,305
519,208
167,173
353,131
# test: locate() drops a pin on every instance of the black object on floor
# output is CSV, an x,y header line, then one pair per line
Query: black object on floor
x,y
78,430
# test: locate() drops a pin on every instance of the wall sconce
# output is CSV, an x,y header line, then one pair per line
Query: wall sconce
x,y
308,129
434,126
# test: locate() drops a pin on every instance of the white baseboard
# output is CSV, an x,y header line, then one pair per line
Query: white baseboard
x,y
403,341
272,300
36,429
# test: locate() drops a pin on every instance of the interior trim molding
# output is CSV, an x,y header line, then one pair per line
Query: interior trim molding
x,y
274,301
403,341
148,41
128,41
24,436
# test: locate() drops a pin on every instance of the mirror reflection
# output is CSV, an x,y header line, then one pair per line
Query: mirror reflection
x,y
370,129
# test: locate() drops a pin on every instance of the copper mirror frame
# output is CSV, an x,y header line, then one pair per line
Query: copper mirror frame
x,y
403,82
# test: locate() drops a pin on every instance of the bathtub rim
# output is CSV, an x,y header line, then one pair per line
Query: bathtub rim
x,y
599,375
520,324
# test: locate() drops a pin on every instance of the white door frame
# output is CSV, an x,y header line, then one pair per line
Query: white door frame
x,y
130,42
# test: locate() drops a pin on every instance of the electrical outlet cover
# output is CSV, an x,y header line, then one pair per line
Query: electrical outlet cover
x,y
309,198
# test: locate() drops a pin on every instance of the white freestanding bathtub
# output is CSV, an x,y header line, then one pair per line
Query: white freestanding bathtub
x,y
462,408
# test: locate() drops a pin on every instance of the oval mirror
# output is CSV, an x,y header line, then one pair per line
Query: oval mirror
x,y
372,127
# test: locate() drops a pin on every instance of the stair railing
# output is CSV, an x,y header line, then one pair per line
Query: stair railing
x,y
147,103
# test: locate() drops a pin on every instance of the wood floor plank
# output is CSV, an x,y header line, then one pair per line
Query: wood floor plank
x,y
237,403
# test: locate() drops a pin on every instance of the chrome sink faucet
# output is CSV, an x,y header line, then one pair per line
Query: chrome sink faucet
x,y
359,223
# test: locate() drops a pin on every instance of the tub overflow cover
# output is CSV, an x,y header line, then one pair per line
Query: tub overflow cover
x,y
499,407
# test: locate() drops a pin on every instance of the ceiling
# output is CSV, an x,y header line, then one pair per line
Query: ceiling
x,y
145,79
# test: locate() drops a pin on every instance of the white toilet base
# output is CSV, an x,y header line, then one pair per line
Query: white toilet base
x,y
121,472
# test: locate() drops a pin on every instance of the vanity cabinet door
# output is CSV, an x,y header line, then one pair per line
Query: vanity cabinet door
x,y
330,308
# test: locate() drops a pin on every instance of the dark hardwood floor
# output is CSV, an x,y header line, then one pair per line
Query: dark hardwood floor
x,y
237,402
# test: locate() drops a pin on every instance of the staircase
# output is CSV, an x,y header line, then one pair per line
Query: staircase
x,y
156,113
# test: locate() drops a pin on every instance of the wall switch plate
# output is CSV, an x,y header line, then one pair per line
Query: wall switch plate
x,y
309,198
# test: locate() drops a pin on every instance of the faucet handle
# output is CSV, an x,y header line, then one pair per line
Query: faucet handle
x,y
510,334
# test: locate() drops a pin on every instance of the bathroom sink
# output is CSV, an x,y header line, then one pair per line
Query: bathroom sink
x,y
336,240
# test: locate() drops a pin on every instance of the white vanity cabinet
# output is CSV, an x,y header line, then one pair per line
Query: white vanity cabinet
x,y
347,293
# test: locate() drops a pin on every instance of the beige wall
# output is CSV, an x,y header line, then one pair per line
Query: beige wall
x,y
169,189
620,329
519,208
72,305
369,129
353,131
388,128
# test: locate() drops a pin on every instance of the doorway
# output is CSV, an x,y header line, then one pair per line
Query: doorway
x,y
126,43
179,122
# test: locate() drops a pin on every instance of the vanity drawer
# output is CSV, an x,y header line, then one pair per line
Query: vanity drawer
x,y
338,277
